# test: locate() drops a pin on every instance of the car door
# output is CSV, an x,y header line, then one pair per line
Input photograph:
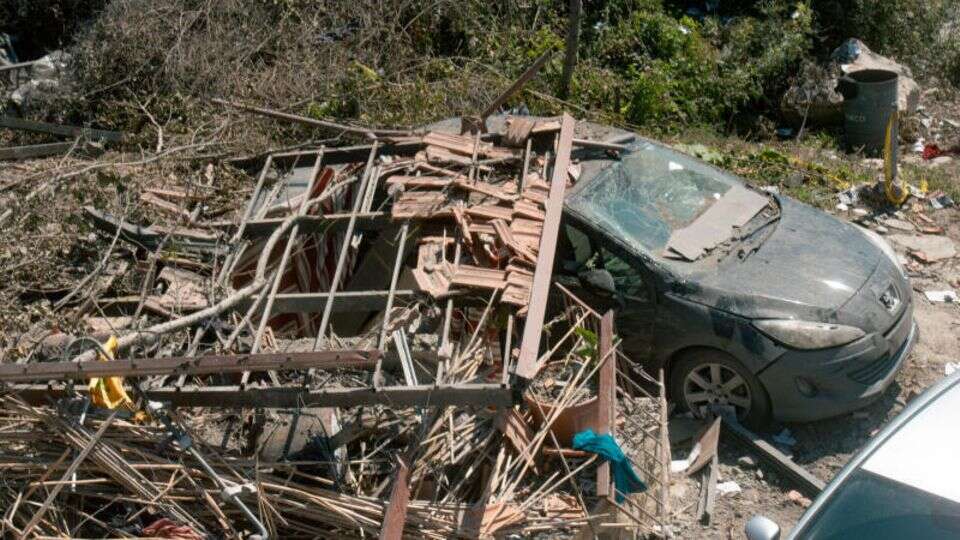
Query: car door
x,y
582,250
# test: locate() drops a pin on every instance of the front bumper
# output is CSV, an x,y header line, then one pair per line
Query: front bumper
x,y
845,378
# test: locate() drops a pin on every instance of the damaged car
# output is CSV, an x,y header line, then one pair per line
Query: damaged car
x,y
746,299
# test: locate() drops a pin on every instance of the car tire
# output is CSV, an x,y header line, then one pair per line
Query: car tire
x,y
693,386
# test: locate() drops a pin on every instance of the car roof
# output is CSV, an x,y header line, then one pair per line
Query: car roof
x,y
923,452
910,462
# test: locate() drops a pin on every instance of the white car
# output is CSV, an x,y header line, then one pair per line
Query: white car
x,y
905,484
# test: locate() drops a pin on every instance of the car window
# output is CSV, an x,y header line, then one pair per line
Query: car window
x,y
579,253
627,278
871,506
579,250
651,192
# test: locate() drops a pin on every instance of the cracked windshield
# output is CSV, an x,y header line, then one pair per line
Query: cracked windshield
x,y
648,194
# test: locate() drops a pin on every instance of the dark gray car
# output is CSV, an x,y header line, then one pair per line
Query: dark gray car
x,y
793,315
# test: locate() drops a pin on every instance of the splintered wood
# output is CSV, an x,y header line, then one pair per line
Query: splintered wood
x,y
351,356
476,187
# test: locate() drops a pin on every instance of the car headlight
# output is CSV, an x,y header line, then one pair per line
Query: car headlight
x,y
808,335
885,247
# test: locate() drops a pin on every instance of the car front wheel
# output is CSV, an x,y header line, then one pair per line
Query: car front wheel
x,y
704,379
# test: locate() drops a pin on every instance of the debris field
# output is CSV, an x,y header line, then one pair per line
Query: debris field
x,y
370,343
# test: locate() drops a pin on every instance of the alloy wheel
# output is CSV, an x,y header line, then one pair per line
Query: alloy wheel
x,y
716,384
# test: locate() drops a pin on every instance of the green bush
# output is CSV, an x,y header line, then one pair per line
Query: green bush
x,y
921,34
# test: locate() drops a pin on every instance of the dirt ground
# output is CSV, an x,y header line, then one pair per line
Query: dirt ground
x,y
824,447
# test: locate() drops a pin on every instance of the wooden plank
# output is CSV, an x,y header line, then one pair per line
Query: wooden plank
x,y
809,484
396,511
527,365
35,150
290,397
606,398
190,365
708,491
517,85
60,129
707,443
734,209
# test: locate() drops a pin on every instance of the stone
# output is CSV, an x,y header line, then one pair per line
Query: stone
x,y
747,462
899,224
934,247
796,497
939,161
728,488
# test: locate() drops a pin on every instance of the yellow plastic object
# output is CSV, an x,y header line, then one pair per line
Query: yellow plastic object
x,y
893,190
108,391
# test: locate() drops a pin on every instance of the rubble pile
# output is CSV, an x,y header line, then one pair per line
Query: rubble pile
x,y
370,343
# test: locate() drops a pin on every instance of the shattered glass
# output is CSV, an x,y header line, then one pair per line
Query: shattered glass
x,y
651,192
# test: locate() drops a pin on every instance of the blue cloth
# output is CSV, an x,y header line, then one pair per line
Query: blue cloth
x,y
606,447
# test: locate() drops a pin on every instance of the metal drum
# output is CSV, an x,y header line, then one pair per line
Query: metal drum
x,y
870,102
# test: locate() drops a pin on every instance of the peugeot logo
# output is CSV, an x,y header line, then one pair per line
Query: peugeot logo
x,y
889,299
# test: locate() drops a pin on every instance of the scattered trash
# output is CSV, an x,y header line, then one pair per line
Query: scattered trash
x,y
624,477
729,487
941,296
940,200
842,207
785,438
951,367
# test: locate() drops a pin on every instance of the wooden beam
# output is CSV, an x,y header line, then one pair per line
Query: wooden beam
x,y
606,398
189,365
290,397
708,491
35,150
809,484
63,130
527,365
395,514
307,121
572,44
517,85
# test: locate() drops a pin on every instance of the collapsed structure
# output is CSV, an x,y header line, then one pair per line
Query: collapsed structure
x,y
380,325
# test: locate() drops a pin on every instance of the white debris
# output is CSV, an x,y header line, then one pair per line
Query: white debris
x,y
842,207
785,438
941,296
680,465
728,488
951,367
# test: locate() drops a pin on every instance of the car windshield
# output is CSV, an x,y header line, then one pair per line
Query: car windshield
x,y
871,506
649,193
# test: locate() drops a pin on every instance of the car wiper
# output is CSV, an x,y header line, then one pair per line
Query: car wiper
x,y
744,254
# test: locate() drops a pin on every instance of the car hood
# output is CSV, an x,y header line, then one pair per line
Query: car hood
x,y
809,267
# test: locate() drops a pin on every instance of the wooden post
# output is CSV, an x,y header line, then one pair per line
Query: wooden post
x,y
607,397
573,42
395,514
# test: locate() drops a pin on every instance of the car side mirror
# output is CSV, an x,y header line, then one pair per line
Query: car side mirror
x,y
762,528
599,280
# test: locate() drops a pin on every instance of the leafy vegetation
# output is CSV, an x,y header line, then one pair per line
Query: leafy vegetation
x,y
659,65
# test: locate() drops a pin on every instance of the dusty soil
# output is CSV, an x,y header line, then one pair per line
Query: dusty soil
x,y
824,447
